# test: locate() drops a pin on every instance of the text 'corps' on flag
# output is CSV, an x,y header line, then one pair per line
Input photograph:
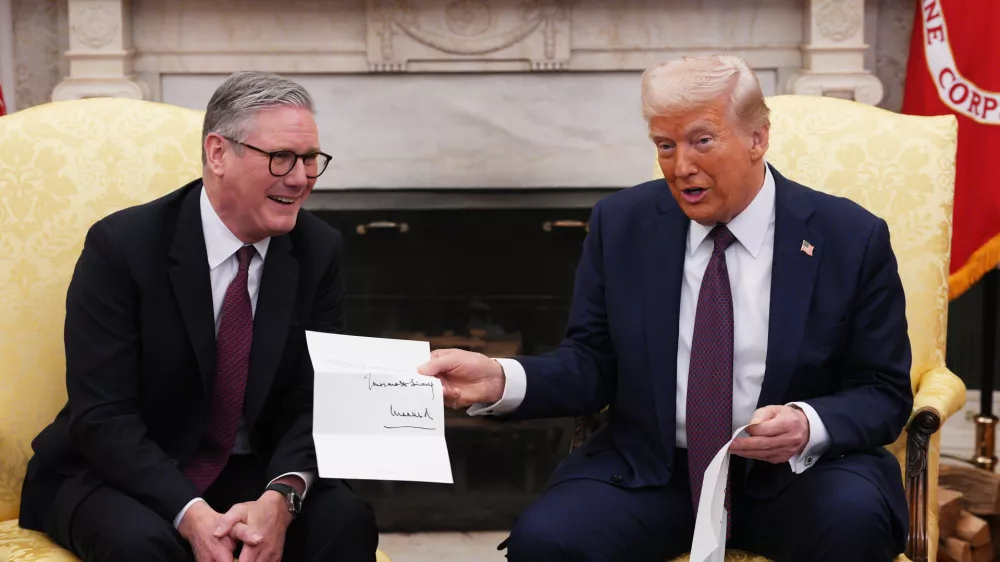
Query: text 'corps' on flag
x,y
954,68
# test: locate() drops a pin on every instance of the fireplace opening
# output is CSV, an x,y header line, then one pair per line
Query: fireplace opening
x,y
494,280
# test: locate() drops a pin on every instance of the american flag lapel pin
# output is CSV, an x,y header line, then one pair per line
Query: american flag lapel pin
x,y
807,248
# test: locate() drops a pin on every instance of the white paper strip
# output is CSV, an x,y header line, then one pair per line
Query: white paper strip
x,y
709,542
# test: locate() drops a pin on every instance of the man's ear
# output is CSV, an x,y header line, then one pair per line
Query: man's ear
x,y
760,137
215,149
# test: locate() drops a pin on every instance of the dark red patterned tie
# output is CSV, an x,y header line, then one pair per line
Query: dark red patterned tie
x,y
710,378
232,346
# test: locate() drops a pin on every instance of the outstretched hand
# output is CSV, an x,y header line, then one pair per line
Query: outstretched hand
x,y
777,433
467,378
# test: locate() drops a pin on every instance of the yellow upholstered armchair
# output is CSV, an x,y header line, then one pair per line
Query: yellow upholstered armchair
x,y
63,166
902,168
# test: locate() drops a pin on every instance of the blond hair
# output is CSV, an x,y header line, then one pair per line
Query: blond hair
x,y
687,83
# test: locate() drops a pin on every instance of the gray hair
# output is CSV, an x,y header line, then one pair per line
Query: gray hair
x,y
235,103
683,84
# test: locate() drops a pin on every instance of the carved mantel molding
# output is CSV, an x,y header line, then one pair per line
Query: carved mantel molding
x,y
833,54
328,37
491,35
100,52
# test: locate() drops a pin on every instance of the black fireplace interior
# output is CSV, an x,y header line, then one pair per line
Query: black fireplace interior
x,y
494,280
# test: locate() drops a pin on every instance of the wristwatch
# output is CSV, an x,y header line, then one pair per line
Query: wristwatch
x,y
292,498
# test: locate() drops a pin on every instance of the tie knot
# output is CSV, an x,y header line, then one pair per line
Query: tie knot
x,y
723,238
245,254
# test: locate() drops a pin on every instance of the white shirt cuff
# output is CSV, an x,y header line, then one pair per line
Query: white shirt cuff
x,y
180,516
307,477
514,387
819,440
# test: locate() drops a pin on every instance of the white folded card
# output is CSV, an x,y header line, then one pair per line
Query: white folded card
x,y
709,543
374,416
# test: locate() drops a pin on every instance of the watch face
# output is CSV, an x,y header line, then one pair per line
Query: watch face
x,y
296,502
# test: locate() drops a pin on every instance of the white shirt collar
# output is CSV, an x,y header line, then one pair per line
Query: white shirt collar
x,y
750,226
220,242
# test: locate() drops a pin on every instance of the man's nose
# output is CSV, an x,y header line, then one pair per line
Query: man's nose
x,y
684,166
297,177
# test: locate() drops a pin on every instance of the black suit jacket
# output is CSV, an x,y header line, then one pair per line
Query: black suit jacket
x,y
837,340
140,358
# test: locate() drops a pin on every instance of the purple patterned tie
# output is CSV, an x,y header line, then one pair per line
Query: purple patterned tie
x,y
232,346
710,378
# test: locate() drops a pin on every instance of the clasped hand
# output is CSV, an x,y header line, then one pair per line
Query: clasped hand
x,y
777,433
260,525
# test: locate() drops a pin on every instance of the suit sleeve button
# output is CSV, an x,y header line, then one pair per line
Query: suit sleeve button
x,y
617,479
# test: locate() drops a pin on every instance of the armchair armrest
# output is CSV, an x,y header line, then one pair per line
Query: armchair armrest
x,y
941,391
940,394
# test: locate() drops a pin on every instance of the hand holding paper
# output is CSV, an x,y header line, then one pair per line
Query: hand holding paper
x,y
777,433
468,378
375,417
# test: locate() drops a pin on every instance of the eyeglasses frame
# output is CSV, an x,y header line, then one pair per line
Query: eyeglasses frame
x,y
270,155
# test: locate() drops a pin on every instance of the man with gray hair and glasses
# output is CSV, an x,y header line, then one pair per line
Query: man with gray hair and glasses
x,y
187,434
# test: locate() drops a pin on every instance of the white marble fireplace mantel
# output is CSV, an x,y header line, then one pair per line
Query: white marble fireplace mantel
x,y
464,93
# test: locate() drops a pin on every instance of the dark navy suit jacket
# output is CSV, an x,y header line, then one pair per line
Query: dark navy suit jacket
x,y
837,340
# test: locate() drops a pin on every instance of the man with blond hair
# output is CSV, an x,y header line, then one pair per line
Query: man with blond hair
x,y
722,295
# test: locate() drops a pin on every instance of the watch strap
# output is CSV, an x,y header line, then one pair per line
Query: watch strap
x,y
283,489
292,499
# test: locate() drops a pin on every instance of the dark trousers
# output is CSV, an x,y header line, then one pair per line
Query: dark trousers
x,y
824,515
334,525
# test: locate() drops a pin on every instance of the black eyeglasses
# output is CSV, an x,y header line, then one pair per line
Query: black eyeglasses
x,y
283,161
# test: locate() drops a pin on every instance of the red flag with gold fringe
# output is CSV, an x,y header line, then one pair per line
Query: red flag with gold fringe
x,y
3,106
954,68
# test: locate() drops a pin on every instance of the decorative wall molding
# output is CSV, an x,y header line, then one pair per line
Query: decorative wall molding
x,y
333,36
839,20
95,25
861,87
519,35
833,53
100,53
459,36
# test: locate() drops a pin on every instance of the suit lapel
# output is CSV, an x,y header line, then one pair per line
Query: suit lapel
x,y
663,261
275,303
793,277
193,286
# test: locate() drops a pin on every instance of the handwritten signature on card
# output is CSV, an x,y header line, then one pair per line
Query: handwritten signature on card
x,y
394,412
412,383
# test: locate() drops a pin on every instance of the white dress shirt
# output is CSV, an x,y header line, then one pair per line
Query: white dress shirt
x,y
223,264
749,264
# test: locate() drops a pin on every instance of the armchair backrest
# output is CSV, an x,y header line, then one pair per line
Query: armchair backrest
x,y
63,166
899,167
